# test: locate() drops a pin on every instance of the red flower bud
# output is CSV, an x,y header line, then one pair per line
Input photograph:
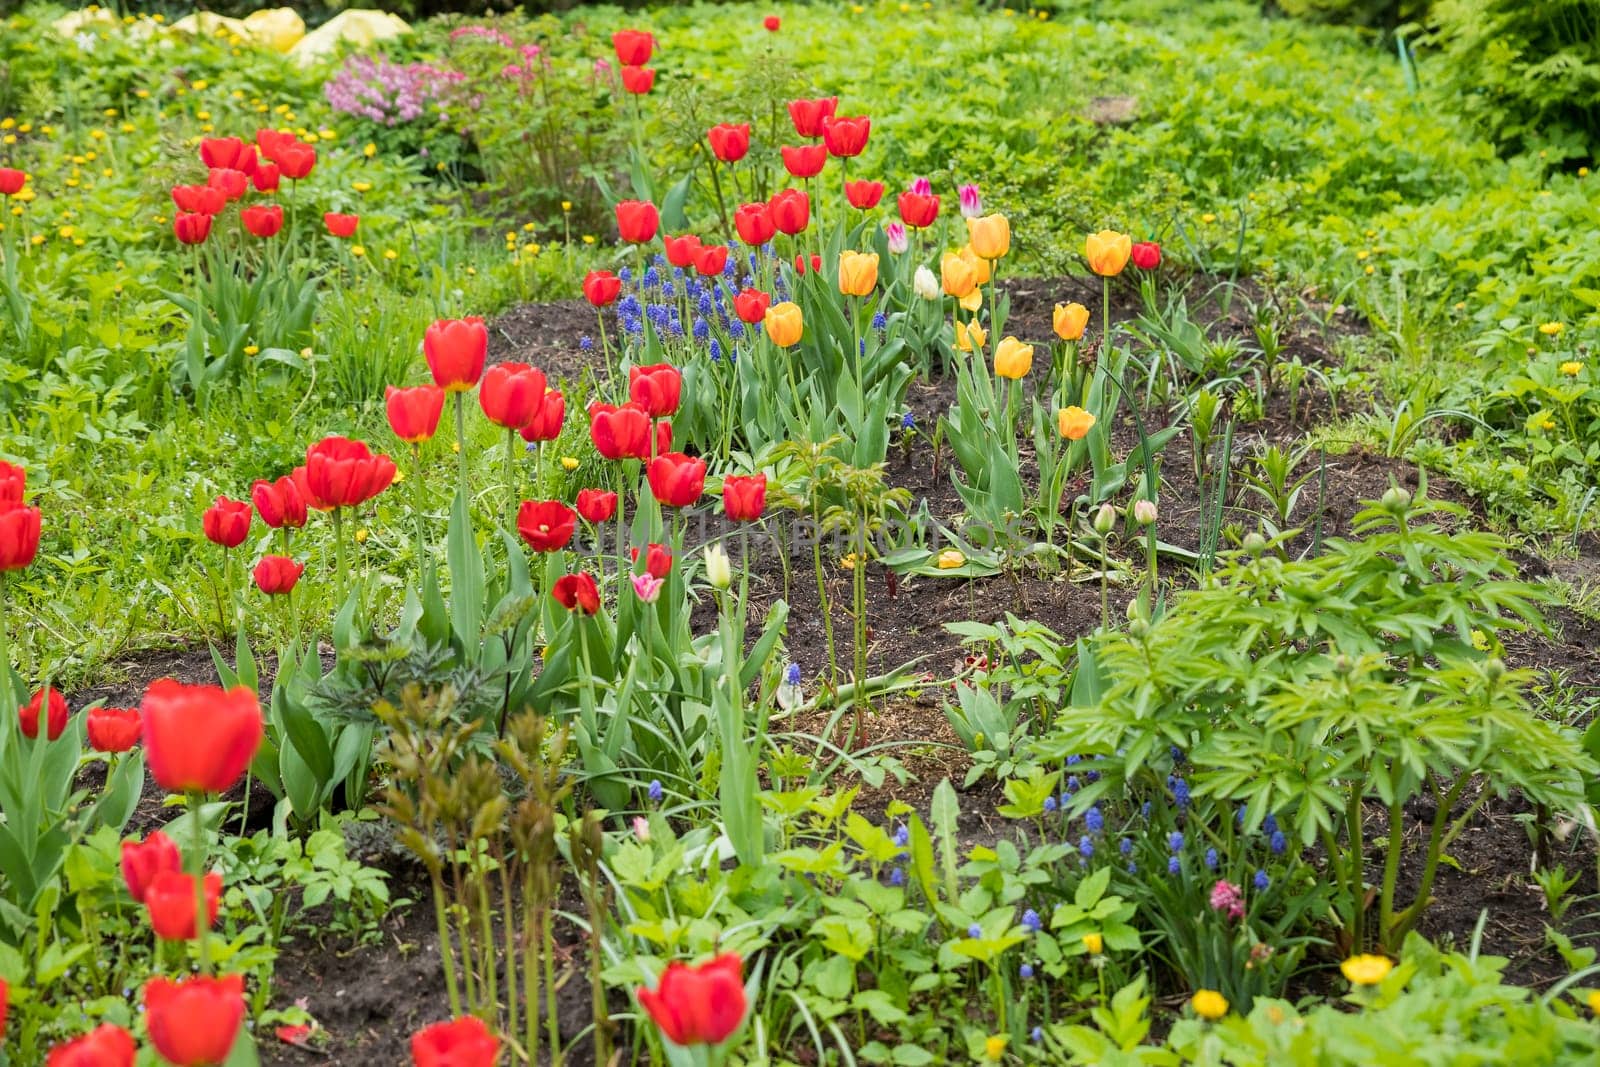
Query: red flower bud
x,y
701,1005
194,1022
341,225
807,115
113,729
49,704
142,862
656,388
754,223
262,220
805,161
343,473
846,137
596,505
413,413
511,394
633,47
637,221
751,306
676,480
456,350
279,503
1146,255
682,250
601,287
863,195
277,575
577,592
546,422
730,142
918,210
192,228
199,738
744,498
638,80
791,210
227,522
169,901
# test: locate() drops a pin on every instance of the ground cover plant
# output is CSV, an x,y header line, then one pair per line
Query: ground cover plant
x,y
680,536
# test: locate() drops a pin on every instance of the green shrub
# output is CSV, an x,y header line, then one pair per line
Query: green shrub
x,y
1529,74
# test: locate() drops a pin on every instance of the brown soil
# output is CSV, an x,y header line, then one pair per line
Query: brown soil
x,y
369,1000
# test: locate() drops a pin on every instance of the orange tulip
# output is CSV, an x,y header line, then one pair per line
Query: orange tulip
x,y
1107,252
784,323
1069,321
990,236
858,273
1074,423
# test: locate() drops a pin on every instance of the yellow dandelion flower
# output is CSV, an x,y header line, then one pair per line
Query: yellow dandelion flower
x,y
1365,970
1208,217
361,187
1552,329
358,250
995,1047
1209,1004
369,150
569,463
1571,368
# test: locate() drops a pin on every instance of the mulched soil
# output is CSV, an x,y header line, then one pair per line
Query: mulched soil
x,y
369,999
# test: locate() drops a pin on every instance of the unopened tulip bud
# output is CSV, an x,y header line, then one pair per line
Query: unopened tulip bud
x,y
971,202
719,569
1396,499
895,232
1105,520
1494,668
1144,512
926,284
1254,543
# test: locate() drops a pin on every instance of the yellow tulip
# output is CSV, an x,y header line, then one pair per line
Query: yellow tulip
x,y
957,275
1070,321
858,273
1209,1004
970,337
1094,943
1365,969
784,323
982,269
972,301
1074,423
1107,252
1012,358
951,558
990,235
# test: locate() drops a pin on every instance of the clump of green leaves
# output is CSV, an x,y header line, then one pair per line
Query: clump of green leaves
x,y
1315,688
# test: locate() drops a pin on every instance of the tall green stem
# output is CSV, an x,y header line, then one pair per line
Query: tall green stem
x,y
1105,318
419,500
338,550
461,437
5,653
447,952
511,483
197,863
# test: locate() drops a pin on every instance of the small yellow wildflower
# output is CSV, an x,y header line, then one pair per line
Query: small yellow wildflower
x,y
1094,943
1364,969
390,254
1209,1004
361,187
588,238
1594,1002
200,85
361,537
358,250
1571,368
569,463
1208,217
995,1047
1552,329
252,350
369,150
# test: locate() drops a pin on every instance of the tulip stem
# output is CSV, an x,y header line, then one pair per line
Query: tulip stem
x,y
198,862
5,653
418,501
511,482
605,345
461,438
1105,317
338,551
1105,582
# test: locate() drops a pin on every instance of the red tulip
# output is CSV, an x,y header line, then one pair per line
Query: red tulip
x,y
638,80
262,220
677,480
341,225
1146,255
751,306
633,47
272,142
228,152
710,260
342,473
12,181
577,592
546,525
657,560
266,177
107,1045
771,22
801,264
596,505
52,705
141,862
113,729
682,250
730,142
192,228
791,210
918,210
277,575
754,223
511,394
744,498
303,487
295,159
805,161
199,738
199,199
701,1005
414,413
279,503
601,288
463,1042
807,115
656,388
19,537
663,436
169,901
232,184
456,349
227,522
846,137
637,221
620,432
13,481
863,195
546,422
194,1022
